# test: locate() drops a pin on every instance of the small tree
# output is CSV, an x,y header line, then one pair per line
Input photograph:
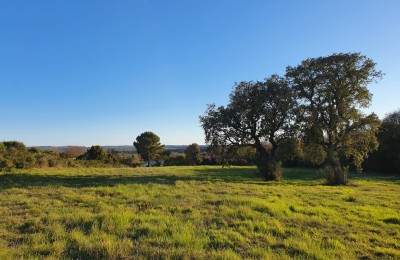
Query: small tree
x,y
148,146
95,152
193,154
15,145
332,90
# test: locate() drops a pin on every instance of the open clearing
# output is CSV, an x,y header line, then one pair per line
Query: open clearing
x,y
196,212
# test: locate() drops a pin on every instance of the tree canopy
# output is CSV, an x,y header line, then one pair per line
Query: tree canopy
x,y
95,152
257,112
332,91
387,157
148,146
193,154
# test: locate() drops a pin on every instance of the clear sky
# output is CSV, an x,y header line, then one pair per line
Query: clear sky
x,y
102,72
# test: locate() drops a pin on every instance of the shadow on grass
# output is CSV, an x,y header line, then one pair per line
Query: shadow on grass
x,y
292,176
23,180
374,176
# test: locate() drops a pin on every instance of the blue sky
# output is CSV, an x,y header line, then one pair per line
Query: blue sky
x,y
102,72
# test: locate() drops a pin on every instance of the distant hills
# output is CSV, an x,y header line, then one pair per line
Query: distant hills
x,y
122,148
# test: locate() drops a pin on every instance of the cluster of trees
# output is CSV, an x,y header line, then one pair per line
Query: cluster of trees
x,y
150,149
318,102
98,156
15,154
387,158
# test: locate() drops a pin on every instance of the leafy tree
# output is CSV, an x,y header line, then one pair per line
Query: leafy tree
x,y
4,162
3,149
193,154
95,152
387,157
175,158
148,146
257,112
244,155
14,145
332,91
291,152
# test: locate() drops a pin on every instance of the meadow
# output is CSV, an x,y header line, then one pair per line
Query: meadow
x,y
196,213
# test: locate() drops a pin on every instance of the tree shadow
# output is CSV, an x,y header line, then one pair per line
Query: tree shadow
x,y
293,176
24,180
374,176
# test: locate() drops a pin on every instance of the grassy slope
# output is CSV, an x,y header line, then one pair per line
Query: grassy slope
x,y
195,212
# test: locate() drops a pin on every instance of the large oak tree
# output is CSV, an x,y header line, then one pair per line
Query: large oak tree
x,y
332,92
257,113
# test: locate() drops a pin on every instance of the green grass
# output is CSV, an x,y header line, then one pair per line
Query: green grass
x,y
196,212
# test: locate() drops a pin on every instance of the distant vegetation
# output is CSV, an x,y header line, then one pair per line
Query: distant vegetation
x,y
387,157
15,155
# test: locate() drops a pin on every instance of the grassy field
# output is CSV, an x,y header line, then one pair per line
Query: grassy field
x,y
196,212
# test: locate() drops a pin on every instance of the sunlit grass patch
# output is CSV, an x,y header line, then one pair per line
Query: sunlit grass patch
x,y
195,213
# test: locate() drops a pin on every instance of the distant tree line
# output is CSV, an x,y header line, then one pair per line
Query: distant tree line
x,y
150,150
386,158
15,155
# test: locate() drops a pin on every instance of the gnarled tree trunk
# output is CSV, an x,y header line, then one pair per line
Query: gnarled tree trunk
x,y
335,175
267,164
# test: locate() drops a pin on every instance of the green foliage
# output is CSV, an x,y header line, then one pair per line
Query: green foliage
x,y
96,153
14,145
132,160
332,90
257,112
15,155
330,174
314,154
148,146
387,157
271,170
193,154
291,152
244,155
175,159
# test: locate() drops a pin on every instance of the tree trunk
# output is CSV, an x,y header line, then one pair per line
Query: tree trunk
x,y
337,175
267,165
